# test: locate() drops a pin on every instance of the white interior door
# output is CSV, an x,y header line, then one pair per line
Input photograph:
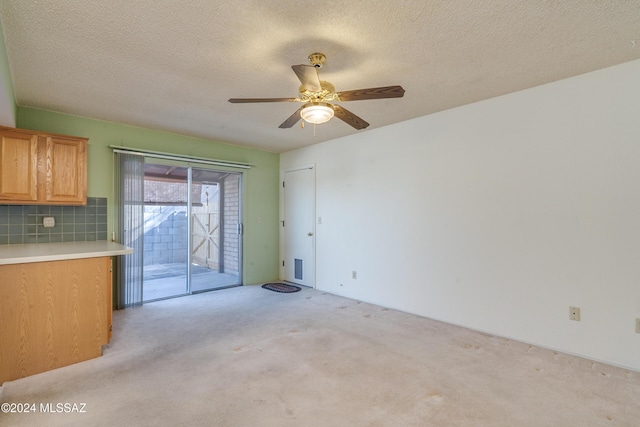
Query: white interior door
x,y
299,226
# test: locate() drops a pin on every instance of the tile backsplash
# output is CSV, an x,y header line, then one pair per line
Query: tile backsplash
x,y
24,223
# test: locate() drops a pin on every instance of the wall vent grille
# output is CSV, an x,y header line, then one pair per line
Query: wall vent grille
x,y
297,270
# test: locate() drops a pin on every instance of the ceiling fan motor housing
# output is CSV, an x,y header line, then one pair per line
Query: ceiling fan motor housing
x,y
317,59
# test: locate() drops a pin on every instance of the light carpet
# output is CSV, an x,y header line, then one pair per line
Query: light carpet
x,y
247,356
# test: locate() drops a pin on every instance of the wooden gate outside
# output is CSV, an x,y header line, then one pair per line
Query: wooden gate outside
x,y
205,231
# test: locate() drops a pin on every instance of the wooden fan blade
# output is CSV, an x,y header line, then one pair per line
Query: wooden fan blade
x,y
349,118
292,120
308,75
372,93
247,100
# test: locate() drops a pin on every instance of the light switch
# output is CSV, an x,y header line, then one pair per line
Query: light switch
x,y
48,221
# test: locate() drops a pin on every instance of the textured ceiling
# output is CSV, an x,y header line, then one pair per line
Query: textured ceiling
x,y
172,65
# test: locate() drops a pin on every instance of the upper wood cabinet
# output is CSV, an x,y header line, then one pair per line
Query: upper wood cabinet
x,y
18,166
42,168
66,170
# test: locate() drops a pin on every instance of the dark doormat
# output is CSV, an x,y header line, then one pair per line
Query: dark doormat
x,y
281,287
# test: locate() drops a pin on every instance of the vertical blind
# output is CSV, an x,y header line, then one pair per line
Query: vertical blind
x,y
131,228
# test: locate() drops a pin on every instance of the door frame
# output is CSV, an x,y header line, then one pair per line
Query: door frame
x,y
311,166
190,181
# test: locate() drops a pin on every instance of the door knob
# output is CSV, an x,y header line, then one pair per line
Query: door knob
x,y
309,234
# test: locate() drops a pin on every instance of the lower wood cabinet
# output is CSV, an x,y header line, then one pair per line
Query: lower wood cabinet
x,y
53,314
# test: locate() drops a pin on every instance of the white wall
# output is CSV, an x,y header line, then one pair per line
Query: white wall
x,y
497,215
7,98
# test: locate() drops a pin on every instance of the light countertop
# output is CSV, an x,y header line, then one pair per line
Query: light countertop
x,y
39,252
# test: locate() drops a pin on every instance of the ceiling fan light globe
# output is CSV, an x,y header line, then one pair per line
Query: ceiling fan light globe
x,y
317,112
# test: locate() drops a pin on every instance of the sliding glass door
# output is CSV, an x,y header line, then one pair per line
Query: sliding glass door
x,y
215,230
166,202
191,230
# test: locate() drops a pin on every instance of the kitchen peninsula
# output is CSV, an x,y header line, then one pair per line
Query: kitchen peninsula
x,y
55,304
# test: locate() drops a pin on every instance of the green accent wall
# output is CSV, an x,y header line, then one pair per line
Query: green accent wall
x,y
261,192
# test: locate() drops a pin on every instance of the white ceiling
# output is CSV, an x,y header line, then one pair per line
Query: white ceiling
x,y
172,65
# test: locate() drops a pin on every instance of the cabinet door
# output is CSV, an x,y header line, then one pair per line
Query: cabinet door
x,y
18,166
66,171
52,314
110,301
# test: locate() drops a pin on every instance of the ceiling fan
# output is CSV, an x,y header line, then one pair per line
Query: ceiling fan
x,y
318,96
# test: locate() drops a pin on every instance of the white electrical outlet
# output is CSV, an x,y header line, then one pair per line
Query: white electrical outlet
x,y
48,221
574,313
